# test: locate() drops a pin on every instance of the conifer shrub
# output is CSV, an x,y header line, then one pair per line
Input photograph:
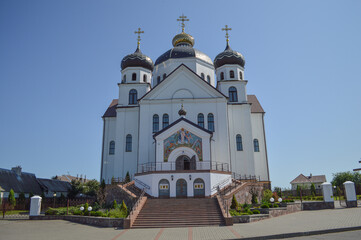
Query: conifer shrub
x,y
234,204
127,178
124,208
11,199
115,205
86,212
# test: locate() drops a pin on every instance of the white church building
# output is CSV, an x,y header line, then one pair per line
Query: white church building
x,y
184,125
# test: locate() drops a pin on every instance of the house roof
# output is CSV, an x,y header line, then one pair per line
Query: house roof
x,y
309,179
252,99
23,183
69,178
177,121
54,185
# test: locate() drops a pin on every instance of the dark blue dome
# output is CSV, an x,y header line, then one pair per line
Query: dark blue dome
x,y
183,51
137,59
229,56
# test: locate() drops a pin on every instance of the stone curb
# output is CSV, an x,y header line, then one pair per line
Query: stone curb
x,y
302,234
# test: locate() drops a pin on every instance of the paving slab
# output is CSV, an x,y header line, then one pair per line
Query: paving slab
x,y
298,224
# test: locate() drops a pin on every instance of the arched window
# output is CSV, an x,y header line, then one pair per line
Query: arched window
x,y
256,145
222,75
144,78
201,120
240,75
231,74
164,76
232,94
208,79
128,143
133,96
158,79
134,76
111,148
125,78
165,120
210,119
239,142
155,123
202,76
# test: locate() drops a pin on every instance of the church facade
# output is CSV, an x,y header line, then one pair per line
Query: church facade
x,y
184,125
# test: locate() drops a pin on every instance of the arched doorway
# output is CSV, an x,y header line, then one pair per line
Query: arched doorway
x,y
181,188
198,188
183,162
163,188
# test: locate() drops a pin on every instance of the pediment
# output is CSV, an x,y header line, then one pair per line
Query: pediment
x,y
183,83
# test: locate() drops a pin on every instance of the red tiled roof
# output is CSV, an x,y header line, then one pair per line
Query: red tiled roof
x,y
255,107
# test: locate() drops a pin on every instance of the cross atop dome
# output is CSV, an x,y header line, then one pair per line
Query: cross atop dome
x,y
227,29
138,39
182,19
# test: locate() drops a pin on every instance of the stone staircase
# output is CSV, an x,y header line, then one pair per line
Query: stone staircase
x,y
161,213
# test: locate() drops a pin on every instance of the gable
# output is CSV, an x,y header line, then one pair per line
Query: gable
x,y
183,83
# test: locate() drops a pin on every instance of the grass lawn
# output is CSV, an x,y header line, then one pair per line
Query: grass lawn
x,y
14,212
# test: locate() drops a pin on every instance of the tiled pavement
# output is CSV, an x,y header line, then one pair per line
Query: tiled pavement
x,y
297,222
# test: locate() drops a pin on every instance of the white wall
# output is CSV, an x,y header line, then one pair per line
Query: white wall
x,y
260,158
210,180
109,160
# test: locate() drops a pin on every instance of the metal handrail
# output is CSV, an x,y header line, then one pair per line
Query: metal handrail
x,y
223,201
172,166
221,184
136,203
142,183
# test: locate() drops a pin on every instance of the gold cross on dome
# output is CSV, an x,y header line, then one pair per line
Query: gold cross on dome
x,y
182,19
138,32
227,29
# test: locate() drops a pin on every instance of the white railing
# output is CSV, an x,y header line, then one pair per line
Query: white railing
x,y
172,166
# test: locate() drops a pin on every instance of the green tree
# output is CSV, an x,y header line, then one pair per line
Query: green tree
x,y
76,188
341,177
127,178
21,197
313,190
278,191
91,188
234,204
11,198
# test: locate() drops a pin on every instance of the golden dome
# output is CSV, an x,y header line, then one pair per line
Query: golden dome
x,y
184,38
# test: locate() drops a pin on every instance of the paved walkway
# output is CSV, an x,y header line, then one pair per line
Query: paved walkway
x,y
292,223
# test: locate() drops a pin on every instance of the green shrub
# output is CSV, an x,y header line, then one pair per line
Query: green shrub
x,y
267,194
233,212
234,204
255,211
96,206
124,208
117,213
265,205
115,205
275,205
50,211
96,213
245,205
77,212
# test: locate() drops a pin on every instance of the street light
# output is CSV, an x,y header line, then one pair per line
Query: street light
x,y
280,200
54,195
271,199
90,208
81,208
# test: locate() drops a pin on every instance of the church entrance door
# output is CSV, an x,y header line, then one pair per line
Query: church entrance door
x,y
164,188
198,186
181,188
183,162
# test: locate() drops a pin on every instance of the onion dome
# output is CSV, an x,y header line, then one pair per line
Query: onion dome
x,y
229,56
183,48
137,59
182,112
183,39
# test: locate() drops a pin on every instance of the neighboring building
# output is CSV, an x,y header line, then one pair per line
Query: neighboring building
x,y
1,193
183,125
27,183
306,181
69,178
20,182
51,187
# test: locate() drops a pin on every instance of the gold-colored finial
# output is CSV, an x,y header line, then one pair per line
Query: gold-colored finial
x,y
227,29
182,19
138,39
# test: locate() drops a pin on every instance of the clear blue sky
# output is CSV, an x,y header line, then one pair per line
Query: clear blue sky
x,y
60,68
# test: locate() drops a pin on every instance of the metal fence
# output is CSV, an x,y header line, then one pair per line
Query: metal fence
x,y
171,166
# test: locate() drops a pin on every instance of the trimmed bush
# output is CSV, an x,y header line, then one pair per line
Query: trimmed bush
x,y
265,205
96,213
275,205
256,211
